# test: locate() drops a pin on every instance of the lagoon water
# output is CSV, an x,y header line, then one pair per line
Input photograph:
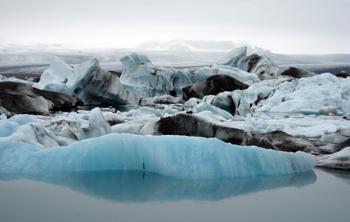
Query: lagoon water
x,y
136,196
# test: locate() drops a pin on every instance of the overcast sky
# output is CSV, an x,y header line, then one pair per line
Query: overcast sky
x,y
288,26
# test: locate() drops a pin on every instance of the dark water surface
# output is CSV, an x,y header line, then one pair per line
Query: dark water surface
x,y
136,196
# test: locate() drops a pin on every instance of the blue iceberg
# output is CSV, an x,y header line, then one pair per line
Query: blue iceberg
x,y
173,156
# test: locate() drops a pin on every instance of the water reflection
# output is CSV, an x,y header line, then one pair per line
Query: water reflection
x,y
138,186
343,175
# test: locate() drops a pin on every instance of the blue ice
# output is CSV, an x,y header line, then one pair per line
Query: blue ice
x,y
174,156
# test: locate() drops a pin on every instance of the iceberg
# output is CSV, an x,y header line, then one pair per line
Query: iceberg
x,y
55,77
147,80
235,56
252,61
89,83
97,125
174,156
243,102
319,94
203,73
86,81
339,160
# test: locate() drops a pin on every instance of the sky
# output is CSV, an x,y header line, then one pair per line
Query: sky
x,y
284,26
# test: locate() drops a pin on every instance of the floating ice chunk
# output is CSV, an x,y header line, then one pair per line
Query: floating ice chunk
x,y
320,94
251,61
192,102
338,160
135,67
147,80
97,125
32,133
206,107
302,126
55,77
311,95
203,73
175,156
88,82
133,127
9,126
243,102
140,75
235,56
140,127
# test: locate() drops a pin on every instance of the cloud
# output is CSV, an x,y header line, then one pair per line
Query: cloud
x,y
294,26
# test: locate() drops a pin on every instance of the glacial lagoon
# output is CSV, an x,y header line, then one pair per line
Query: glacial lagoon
x,y
137,196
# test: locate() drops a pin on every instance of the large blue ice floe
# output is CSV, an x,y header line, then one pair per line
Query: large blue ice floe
x,y
174,156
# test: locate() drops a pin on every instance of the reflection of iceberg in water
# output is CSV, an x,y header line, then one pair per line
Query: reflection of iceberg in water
x,y
138,186
343,175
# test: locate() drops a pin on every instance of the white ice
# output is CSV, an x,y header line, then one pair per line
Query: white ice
x,y
338,160
264,68
320,94
97,125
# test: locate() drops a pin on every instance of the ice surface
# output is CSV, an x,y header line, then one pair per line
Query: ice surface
x,y
7,127
241,75
43,132
311,95
307,126
338,160
211,110
320,94
23,119
10,126
175,156
32,133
